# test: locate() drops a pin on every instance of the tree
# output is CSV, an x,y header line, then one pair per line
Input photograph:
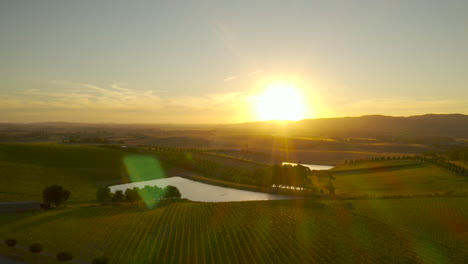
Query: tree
x,y
35,248
55,195
103,194
325,178
118,196
131,195
11,242
172,192
64,256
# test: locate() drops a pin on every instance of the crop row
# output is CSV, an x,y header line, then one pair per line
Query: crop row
x,y
232,233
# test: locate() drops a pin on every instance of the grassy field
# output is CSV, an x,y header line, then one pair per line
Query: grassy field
x,y
443,219
407,230
397,178
28,168
375,164
251,232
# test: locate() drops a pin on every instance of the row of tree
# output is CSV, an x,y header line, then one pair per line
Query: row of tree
x,y
136,194
439,160
447,164
296,177
357,161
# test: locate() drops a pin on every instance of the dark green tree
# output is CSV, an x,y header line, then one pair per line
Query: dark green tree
x,y
172,192
103,194
55,195
118,196
35,248
131,195
11,242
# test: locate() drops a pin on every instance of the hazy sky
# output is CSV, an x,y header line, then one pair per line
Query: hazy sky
x,y
206,61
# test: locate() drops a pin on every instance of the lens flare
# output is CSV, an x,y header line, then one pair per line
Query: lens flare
x,y
144,168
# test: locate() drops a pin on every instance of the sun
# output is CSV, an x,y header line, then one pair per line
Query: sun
x,y
280,102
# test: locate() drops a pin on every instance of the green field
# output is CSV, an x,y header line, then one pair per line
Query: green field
x,y
406,230
251,232
26,169
382,178
442,219
375,164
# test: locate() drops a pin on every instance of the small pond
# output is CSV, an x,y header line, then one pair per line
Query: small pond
x,y
197,191
311,166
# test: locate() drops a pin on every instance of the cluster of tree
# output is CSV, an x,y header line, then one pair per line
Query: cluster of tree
x,y
136,194
455,154
296,177
55,195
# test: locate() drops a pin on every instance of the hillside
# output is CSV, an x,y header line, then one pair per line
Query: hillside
x,y
28,168
394,178
372,126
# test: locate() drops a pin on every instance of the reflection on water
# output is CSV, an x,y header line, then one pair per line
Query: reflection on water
x,y
197,191
311,166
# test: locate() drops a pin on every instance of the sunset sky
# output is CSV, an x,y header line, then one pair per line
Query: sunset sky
x,y
214,61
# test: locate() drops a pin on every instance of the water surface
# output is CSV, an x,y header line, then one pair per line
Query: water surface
x,y
311,166
203,192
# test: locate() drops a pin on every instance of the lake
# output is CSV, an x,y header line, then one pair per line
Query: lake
x,y
311,166
202,192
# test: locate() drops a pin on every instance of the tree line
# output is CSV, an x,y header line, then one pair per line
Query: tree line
x,y
136,194
429,157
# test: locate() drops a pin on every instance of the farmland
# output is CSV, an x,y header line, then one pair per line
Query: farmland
x,y
319,230
403,177
28,168
247,232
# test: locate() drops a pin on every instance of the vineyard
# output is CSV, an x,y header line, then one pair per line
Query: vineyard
x,y
295,231
397,178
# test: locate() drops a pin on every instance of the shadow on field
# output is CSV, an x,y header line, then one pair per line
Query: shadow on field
x,y
378,169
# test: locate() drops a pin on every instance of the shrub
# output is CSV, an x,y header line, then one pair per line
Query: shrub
x,y
35,248
64,256
131,195
118,196
11,242
103,194
55,194
172,192
100,260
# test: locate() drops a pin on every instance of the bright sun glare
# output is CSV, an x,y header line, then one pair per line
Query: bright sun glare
x,y
280,102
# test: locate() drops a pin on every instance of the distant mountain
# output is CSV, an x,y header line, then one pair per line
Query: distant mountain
x,y
430,125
